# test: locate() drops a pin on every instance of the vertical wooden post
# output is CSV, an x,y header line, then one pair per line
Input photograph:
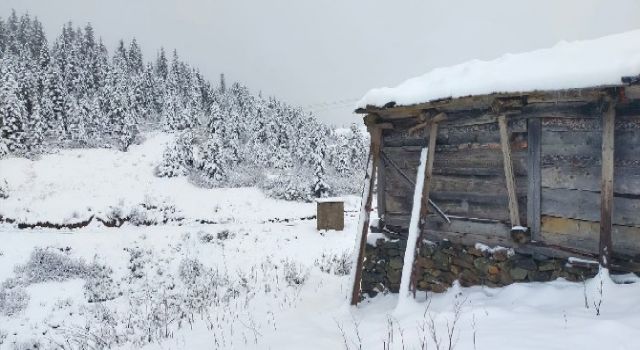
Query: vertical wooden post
x,y
606,193
534,134
514,214
381,186
375,132
424,202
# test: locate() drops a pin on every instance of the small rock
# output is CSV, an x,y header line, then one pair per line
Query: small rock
x,y
475,252
501,255
526,263
518,273
396,263
493,270
548,265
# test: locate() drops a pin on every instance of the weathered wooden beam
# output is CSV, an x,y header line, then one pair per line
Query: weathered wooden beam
x,y
514,214
381,188
367,198
487,101
424,207
606,193
534,177
430,121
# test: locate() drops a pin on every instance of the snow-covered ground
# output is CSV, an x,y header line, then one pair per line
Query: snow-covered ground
x,y
242,281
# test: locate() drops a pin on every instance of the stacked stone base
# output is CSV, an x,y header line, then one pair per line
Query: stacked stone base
x,y
440,264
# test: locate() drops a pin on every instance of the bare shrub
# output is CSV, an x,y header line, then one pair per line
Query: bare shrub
x,y
294,274
338,264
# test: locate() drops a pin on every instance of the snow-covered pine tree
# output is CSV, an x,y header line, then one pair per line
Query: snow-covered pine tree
x,y
320,187
12,111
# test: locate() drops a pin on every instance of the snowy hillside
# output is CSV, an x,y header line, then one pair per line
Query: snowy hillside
x,y
256,275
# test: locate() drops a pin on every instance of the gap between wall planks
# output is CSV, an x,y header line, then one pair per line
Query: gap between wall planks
x,y
606,199
424,206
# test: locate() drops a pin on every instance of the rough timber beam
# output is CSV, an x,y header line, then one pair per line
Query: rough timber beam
x,y
606,193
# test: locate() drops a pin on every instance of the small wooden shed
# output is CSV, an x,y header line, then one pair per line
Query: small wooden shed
x,y
554,172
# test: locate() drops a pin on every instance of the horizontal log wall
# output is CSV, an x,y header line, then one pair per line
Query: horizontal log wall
x,y
469,182
468,176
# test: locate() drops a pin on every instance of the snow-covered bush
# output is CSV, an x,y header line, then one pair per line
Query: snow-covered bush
x,y
289,187
138,260
152,212
99,284
294,274
4,189
12,301
50,264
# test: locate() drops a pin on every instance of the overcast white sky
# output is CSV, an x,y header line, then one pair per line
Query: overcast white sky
x,y
324,51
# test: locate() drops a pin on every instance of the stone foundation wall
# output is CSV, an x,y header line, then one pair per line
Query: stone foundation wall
x,y
440,264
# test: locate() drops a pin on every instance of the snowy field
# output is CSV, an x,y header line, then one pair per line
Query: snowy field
x,y
255,275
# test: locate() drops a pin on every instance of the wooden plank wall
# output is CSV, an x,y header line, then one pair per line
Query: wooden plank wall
x,y
469,183
571,174
468,172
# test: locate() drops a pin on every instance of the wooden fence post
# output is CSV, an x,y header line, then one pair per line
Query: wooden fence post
x,y
606,193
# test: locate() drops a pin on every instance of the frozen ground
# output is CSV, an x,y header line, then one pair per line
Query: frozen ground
x,y
243,282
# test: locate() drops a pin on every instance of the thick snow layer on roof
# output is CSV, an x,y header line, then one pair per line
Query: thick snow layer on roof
x,y
567,65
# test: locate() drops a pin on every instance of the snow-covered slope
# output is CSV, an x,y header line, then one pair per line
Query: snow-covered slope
x,y
567,65
245,283
72,185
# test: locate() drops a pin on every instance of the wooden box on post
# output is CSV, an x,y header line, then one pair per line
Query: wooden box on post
x,y
330,214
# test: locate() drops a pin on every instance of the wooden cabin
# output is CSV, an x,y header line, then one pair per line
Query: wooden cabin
x,y
549,175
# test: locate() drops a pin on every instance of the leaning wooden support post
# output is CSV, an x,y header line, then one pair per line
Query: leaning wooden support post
x,y
514,214
424,204
606,193
375,131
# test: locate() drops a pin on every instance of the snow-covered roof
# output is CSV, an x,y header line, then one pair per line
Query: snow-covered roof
x,y
567,65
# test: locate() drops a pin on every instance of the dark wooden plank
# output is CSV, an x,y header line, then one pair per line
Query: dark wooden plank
x,y
585,235
626,179
534,177
606,199
585,205
588,144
